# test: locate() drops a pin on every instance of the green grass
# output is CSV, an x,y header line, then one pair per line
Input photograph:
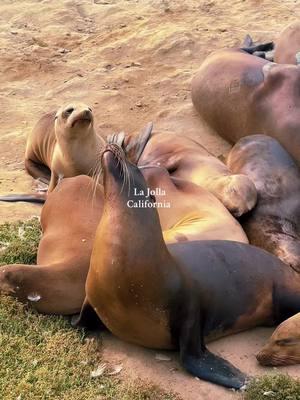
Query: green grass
x,y
43,357
274,387
19,241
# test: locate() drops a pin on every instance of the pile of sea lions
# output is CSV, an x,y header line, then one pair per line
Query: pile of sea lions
x,y
148,235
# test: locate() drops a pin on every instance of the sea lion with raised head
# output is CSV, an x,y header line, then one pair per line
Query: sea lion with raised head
x,y
63,144
238,95
176,296
274,224
287,46
283,347
186,159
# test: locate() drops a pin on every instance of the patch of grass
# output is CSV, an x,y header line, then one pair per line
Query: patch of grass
x,y
274,387
19,241
43,357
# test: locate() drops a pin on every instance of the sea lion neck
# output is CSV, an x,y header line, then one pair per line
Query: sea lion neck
x,y
128,206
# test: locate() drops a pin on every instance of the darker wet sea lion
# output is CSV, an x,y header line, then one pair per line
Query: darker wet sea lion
x,y
178,295
238,94
274,224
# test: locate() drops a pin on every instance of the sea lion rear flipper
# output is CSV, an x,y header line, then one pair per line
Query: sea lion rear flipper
x,y
87,318
259,48
28,198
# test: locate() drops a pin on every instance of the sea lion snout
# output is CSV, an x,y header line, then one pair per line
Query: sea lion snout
x,y
283,347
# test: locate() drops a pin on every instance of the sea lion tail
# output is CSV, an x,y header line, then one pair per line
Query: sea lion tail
x,y
38,198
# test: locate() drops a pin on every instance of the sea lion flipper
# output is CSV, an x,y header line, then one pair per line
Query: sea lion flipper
x,y
209,367
87,318
248,41
135,147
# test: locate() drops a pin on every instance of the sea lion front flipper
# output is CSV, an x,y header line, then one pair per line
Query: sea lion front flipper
x,y
87,318
209,367
200,362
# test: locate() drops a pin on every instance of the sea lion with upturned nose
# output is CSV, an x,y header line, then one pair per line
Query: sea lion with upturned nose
x,y
283,347
186,159
63,144
274,224
238,95
176,296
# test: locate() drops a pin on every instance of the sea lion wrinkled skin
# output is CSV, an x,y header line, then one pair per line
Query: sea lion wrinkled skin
x,y
186,159
238,95
274,224
173,296
287,46
69,219
63,144
283,347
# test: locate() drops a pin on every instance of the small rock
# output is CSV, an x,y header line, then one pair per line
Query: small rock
x,y
270,393
116,370
14,32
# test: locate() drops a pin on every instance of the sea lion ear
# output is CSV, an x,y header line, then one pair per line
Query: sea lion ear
x,y
116,138
136,145
298,58
266,69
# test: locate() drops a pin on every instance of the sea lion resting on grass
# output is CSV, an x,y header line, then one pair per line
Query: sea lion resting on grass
x,y
177,296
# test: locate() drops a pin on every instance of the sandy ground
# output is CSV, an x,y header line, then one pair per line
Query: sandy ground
x,y
132,61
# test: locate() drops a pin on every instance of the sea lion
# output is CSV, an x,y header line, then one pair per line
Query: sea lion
x,y
186,159
283,347
187,211
82,157
63,144
173,296
69,219
287,46
238,95
274,224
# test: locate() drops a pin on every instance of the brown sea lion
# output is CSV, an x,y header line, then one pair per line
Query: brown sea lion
x,y
69,219
238,95
187,211
176,296
287,46
274,224
186,159
63,144
283,347
83,156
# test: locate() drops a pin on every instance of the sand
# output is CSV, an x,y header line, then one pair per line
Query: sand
x,y
132,61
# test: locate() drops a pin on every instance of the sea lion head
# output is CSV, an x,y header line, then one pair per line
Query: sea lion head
x,y
74,120
125,188
283,347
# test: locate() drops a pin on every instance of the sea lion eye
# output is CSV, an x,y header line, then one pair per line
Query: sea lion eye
x,y
153,198
69,110
285,342
89,108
